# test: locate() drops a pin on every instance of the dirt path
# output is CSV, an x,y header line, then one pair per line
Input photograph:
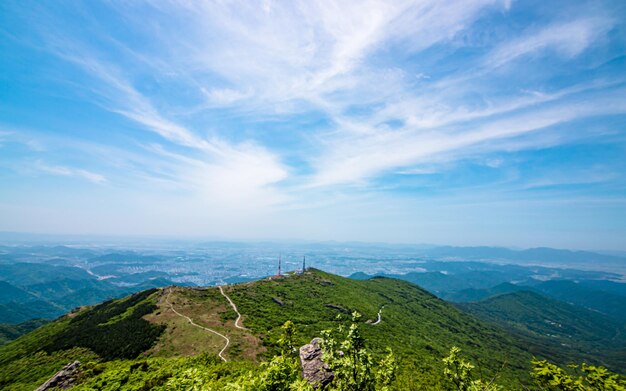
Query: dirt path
x,y
167,300
379,316
237,322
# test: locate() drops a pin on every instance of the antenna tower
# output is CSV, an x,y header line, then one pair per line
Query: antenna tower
x,y
303,263
279,264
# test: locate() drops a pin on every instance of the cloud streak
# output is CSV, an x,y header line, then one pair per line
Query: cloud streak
x,y
71,172
239,107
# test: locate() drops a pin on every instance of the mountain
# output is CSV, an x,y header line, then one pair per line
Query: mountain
x,y
539,254
594,296
24,274
11,293
144,339
474,281
418,326
47,291
14,313
9,332
607,298
473,294
556,329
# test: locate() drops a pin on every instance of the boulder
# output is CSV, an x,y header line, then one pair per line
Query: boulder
x,y
63,379
314,370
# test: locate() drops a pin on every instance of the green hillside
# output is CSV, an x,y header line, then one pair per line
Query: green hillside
x,y
29,291
147,336
9,332
416,324
555,329
597,298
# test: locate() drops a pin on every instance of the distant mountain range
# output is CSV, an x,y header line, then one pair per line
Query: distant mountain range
x,y
39,290
555,328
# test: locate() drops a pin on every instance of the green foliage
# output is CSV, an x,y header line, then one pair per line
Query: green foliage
x,y
286,340
282,373
352,364
24,367
415,324
556,330
204,372
90,335
588,378
113,329
30,371
460,373
9,332
547,376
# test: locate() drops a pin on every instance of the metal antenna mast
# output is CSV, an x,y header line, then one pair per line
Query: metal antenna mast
x,y
279,264
303,263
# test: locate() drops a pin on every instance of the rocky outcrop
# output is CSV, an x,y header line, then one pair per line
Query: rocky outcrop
x,y
338,308
314,370
63,379
278,301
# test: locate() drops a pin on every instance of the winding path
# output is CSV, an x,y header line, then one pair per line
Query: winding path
x,y
167,300
237,322
379,316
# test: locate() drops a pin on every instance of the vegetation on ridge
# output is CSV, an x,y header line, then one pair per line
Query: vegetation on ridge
x,y
419,327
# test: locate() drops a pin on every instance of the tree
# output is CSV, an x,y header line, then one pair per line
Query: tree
x,y
352,364
283,372
460,372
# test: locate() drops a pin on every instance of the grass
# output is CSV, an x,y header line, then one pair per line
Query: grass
x,y
419,327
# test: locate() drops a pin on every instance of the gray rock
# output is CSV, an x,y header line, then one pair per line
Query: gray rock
x,y
338,308
278,301
63,379
314,370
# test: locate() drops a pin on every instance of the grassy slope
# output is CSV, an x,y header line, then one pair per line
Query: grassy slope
x,y
9,332
113,329
208,308
418,326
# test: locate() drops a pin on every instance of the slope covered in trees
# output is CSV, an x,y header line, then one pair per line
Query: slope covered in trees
x,y
555,329
140,343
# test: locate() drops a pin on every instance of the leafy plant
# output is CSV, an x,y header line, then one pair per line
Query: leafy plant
x,y
352,364
282,373
585,378
460,373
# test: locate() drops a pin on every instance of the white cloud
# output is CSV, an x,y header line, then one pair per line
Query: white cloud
x,y
357,158
228,170
71,172
569,39
226,96
389,82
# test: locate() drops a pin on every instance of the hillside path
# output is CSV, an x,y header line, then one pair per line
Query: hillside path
x,y
167,300
237,322
379,316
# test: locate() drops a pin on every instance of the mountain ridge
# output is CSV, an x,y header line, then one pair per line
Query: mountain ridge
x,y
418,326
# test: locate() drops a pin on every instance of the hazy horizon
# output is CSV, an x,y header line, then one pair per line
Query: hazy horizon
x,y
471,123
128,241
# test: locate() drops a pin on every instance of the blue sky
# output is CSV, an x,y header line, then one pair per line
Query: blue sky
x,y
459,122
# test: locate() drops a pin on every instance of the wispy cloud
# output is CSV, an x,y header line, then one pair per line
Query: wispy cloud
x,y
567,39
242,168
71,172
354,159
235,107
